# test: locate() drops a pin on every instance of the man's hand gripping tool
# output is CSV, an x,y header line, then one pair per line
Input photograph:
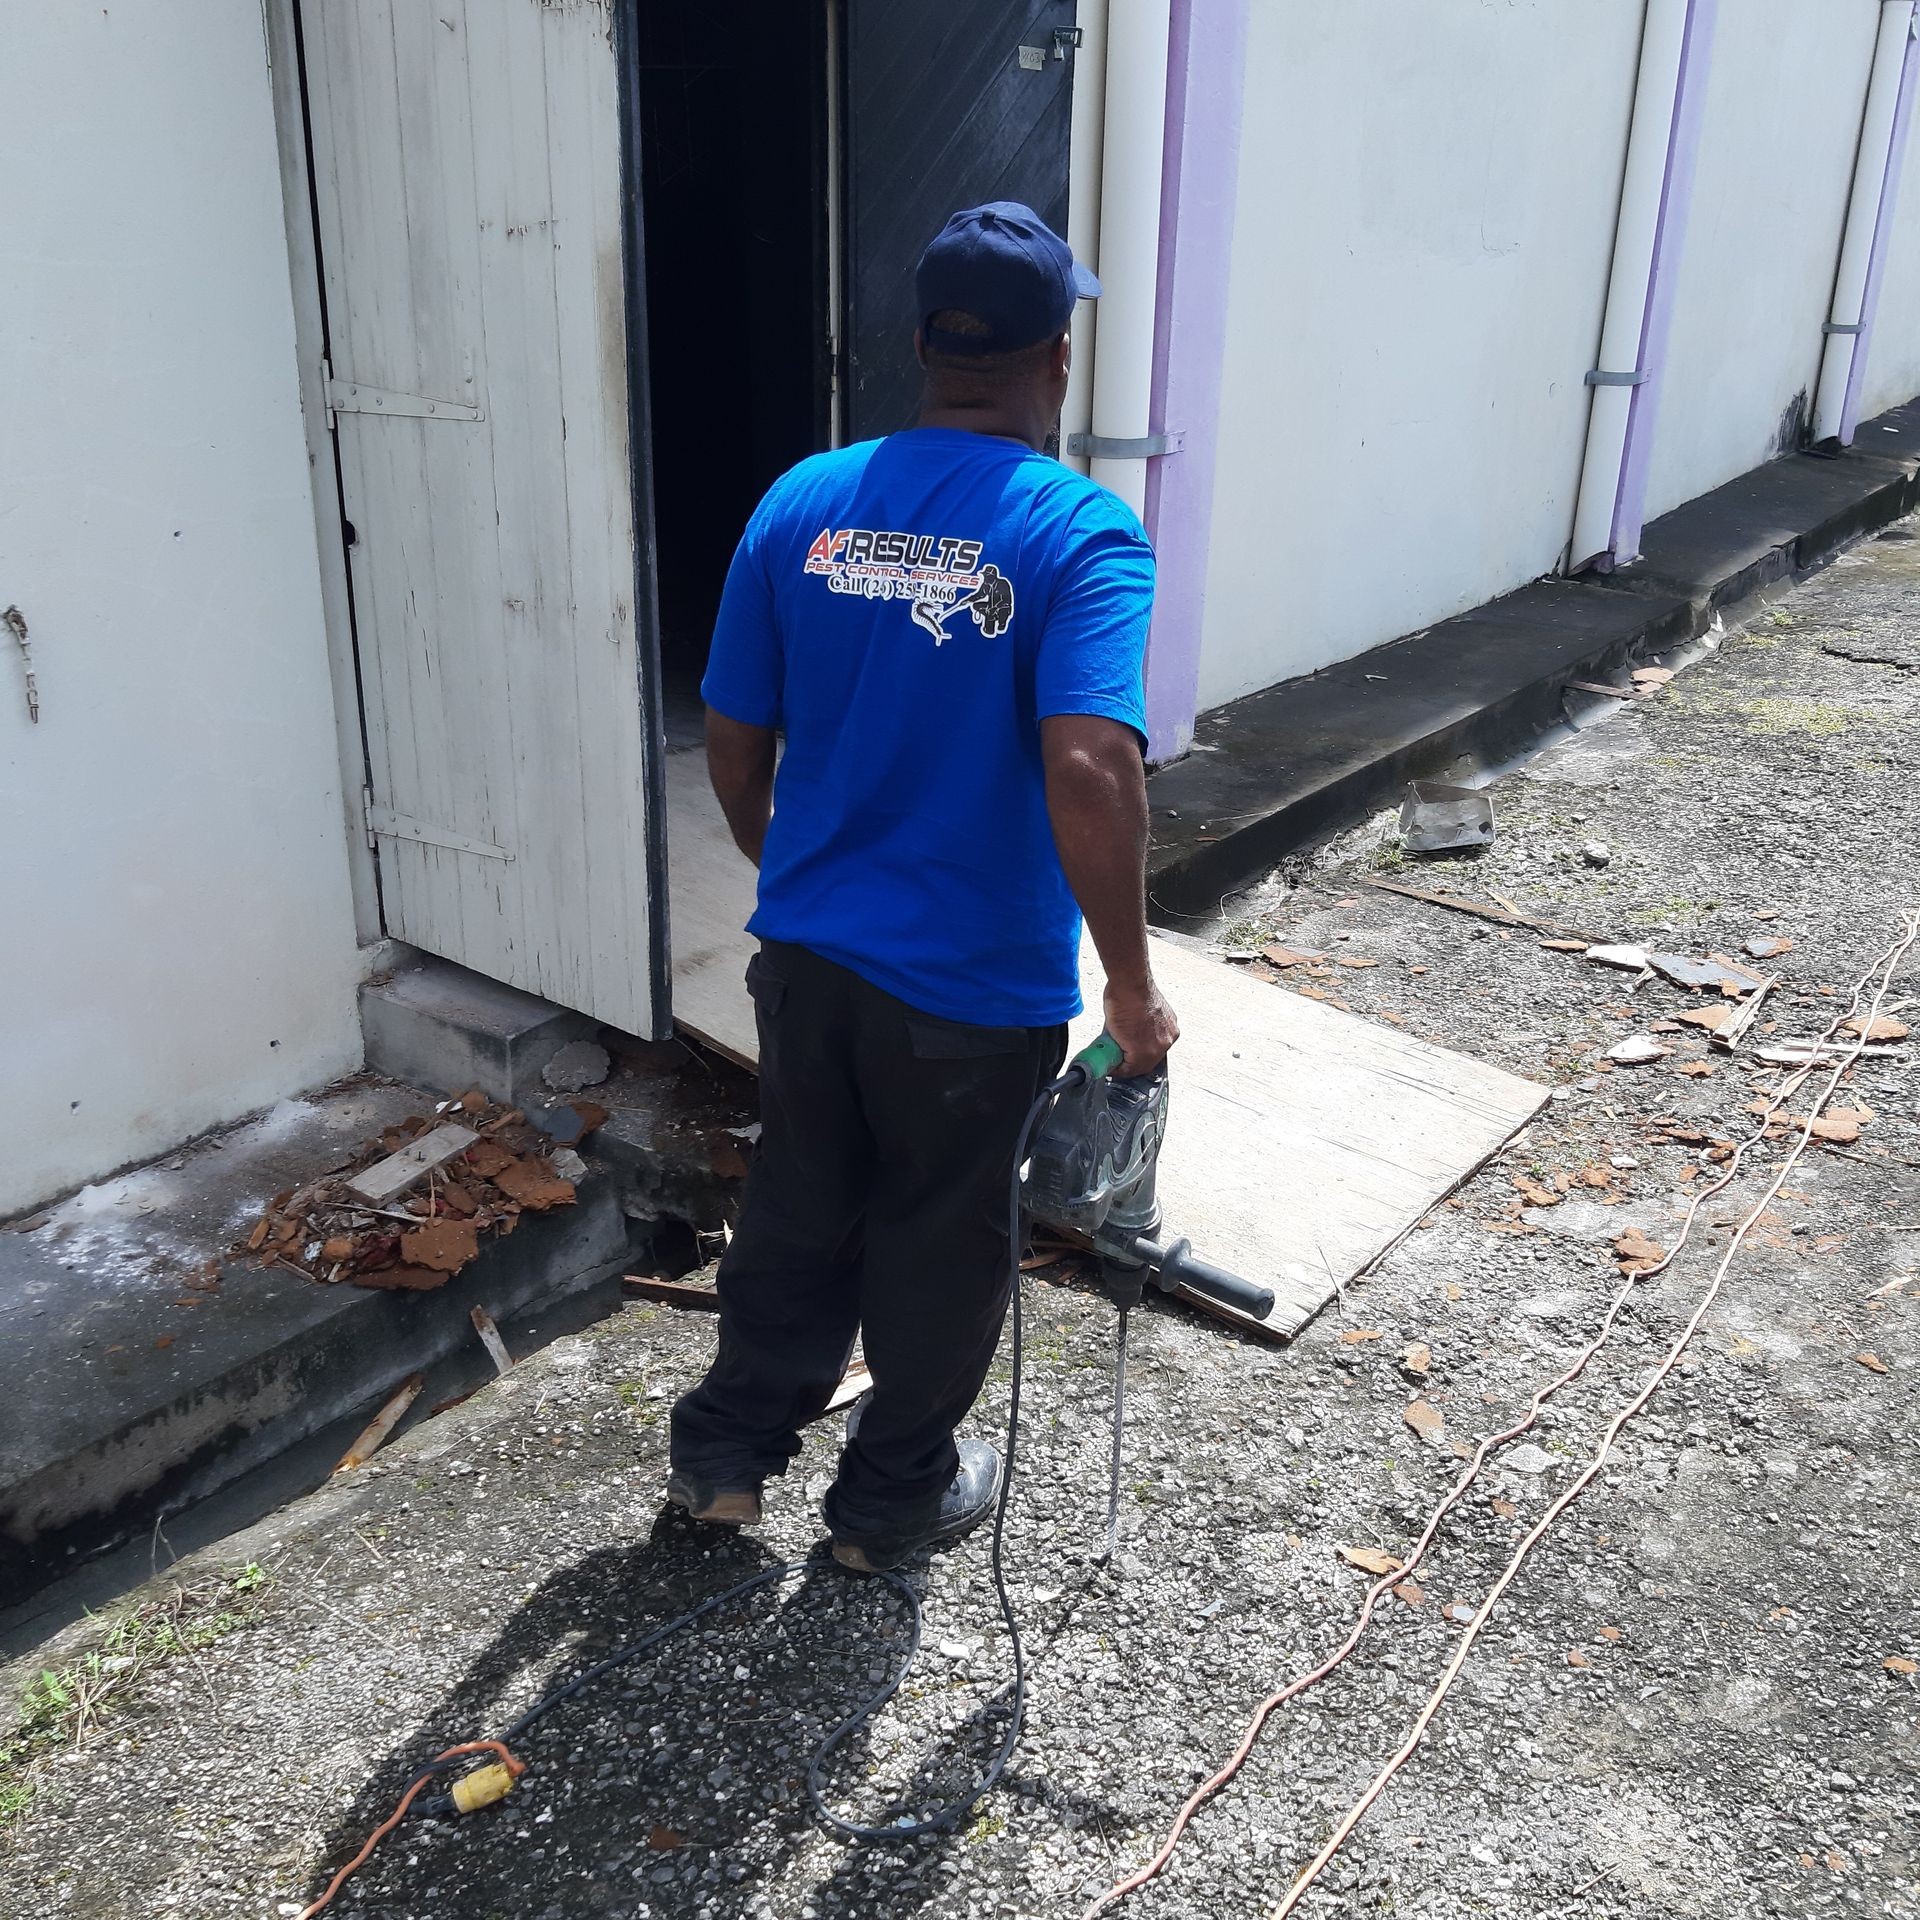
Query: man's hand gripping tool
x,y
1091,1173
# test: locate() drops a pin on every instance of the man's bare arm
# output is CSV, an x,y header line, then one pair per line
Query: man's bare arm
x,y
740,763
1097,798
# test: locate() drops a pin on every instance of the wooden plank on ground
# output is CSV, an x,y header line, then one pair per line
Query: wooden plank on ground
x,y
387,1178
672,1293
1302,1143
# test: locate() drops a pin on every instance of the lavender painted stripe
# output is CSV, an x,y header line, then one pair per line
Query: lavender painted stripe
x,y
1206,73
1882,235
1676,200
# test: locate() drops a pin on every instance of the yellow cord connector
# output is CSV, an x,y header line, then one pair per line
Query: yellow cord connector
x,y
481,1788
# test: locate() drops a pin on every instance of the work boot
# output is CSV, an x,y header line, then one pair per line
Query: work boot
x,y
717,1506
968,1500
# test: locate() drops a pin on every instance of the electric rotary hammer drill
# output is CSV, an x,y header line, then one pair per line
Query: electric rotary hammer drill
x,y
1091,1174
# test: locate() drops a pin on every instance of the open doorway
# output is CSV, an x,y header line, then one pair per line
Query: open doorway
x,y
735,185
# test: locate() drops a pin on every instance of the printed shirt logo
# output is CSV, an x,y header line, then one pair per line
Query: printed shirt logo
x,y
942,577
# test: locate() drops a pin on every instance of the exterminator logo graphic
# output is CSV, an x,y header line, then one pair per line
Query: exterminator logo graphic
x,y
941,577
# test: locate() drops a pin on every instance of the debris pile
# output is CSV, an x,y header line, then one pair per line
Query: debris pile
x,y
417,1204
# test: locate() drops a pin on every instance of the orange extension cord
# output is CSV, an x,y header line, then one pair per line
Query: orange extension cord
x,y
1884,967
514,1766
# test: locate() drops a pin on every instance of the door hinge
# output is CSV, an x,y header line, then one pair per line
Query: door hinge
x,y
1065,37
350,396
366,819
384,824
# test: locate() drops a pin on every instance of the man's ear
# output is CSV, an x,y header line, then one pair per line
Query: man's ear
x,y
1063,356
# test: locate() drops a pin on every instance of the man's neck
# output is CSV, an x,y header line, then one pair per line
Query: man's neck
x,y
996,423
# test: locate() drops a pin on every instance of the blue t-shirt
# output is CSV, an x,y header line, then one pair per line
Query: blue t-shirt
x,y
907,611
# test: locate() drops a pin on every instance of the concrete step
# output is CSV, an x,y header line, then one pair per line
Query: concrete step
x,y
447,1028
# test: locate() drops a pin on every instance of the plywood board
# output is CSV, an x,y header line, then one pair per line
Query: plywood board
x,y
1302,1141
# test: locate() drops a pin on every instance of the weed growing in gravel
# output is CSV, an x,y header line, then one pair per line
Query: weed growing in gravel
x,y
60,1708
1773,714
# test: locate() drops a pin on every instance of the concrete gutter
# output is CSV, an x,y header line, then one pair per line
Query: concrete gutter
x,y
1278,770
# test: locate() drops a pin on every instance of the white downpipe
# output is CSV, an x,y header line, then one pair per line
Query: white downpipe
x,y
1863,216
1132,149
1083,212
1662,41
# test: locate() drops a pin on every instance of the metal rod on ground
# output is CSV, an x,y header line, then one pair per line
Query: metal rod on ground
x,y
1119,1421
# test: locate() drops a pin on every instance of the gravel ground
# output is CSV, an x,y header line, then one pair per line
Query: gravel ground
x,y
1680,1708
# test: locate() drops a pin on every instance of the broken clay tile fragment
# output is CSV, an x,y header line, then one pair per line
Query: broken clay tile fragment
x,y
1374,1560
339,1247
444,1245
1636,1253
1879,1026
1712,1017
1424,1418
487,1158
534,1185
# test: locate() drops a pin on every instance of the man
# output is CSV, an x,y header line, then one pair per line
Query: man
x,y
948,627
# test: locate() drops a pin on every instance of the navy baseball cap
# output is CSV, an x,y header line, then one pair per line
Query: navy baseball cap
x,y
1004,265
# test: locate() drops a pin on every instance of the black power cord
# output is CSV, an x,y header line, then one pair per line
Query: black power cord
x,y
948,1817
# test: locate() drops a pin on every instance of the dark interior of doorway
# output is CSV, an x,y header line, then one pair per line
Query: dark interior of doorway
x,y
733,179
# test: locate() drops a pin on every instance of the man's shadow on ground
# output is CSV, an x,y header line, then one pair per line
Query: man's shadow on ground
x,y
675,1786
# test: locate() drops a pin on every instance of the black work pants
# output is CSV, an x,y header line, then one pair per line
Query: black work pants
x,y
877,1205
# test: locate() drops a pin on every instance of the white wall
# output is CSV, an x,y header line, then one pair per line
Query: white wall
x,y
1785,95
1893,358
176,934
1427,197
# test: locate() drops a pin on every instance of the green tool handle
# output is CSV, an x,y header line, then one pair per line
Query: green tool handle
x,y
1100,1057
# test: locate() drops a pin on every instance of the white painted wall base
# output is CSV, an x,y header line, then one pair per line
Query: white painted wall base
x,y
178,933
1423,234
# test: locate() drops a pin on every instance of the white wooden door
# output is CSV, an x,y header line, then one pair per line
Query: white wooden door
x,y
467,169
